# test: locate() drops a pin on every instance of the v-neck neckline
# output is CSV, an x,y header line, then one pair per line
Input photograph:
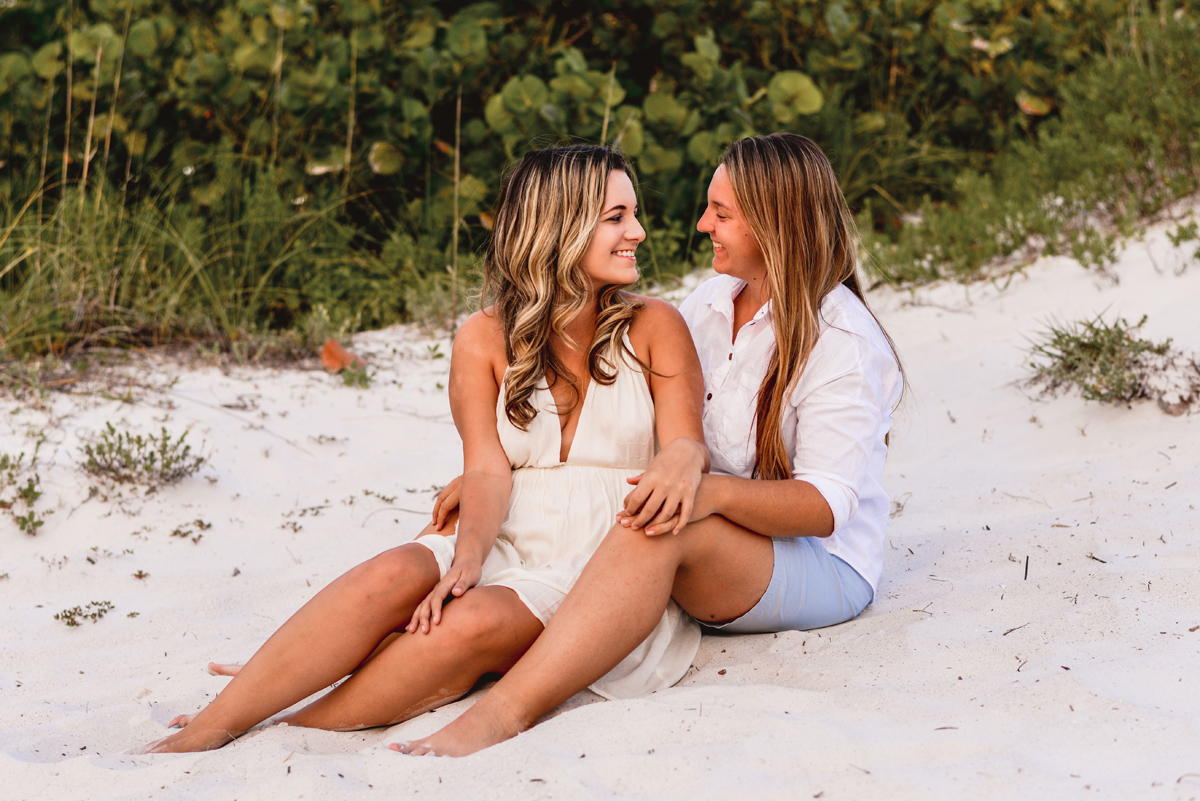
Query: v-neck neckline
x,y
560,427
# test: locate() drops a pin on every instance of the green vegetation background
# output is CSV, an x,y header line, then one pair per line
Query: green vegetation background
x,y
246,172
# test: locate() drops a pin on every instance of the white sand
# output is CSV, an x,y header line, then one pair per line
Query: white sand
x,y
962,680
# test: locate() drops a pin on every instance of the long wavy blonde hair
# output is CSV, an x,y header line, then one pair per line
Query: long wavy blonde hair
x,y
548,210
786,189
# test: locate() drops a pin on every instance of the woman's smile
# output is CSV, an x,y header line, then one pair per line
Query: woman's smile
x,y
626,254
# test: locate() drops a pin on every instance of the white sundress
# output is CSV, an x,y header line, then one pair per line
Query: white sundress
x,y
559,513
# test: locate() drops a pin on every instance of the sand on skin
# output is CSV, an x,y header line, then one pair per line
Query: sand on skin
x,y
962,680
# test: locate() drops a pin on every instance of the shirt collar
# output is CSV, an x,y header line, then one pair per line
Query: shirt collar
x,y
721,300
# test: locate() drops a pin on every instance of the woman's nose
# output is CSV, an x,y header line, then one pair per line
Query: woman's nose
x,y
638,233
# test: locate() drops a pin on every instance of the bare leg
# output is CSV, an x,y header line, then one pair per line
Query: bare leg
x,y
715,569
315,647
485,631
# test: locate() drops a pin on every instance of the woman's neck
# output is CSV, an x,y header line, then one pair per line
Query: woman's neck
x,y
582,329
756,292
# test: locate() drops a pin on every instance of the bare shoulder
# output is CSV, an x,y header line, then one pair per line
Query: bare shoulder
x,y
659,334
480,341
656,318
481,334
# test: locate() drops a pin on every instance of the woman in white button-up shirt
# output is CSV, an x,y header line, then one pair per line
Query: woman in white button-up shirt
x,y
787,530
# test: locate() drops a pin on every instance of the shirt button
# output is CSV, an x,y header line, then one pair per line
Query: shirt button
x,y
709,396
731,357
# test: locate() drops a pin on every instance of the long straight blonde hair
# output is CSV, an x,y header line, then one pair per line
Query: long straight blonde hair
x,y
786,189
547,213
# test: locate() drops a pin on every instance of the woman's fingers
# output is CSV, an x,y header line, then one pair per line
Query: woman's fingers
x,y
672,500
650,509
447,501
685,514
672,525
635,479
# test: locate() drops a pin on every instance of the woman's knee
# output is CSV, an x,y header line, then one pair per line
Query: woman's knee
x,y
395,574
640,545
479,623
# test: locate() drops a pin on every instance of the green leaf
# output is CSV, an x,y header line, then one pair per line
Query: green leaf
x,y
838,21
419,35
629,128
45,61
706,48
699,65
333,161
705,149
143,38
657,159
571,62
1032,104
254,8
793,93
14,68
207,69
384,158
254,61
523,96
497,116
661,108
283,17
465,38
86,42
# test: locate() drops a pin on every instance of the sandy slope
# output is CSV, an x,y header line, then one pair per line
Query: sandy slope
x,y
963,680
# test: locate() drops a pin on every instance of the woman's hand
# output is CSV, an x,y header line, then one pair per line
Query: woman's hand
x,y
702,507
667,490
462,576
446,503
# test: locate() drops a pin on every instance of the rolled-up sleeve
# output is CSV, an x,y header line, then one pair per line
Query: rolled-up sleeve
x,y
840,412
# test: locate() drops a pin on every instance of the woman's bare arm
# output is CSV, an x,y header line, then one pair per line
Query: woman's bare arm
x,y
668,487
785,508
487,475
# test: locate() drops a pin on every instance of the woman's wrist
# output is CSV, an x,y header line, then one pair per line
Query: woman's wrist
x,y
710,496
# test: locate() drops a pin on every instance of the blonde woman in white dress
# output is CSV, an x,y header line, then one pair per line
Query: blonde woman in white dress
x,y
559,390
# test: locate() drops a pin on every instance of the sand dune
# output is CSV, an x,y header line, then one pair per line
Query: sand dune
x,y
964,679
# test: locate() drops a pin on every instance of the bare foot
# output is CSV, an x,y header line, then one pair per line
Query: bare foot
x,y
180,721
489,722
215,669
189,739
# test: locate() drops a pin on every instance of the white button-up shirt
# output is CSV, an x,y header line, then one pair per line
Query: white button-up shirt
x,y
835,423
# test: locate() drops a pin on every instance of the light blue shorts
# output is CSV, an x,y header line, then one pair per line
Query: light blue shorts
x,y
809,589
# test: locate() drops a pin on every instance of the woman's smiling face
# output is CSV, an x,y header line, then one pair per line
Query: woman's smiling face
x,y
611,256
735,250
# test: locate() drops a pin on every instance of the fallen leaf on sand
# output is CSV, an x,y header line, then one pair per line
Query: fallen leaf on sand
x,y
335,358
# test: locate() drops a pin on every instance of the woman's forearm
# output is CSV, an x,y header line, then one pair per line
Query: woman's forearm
x,y
787,508
484,501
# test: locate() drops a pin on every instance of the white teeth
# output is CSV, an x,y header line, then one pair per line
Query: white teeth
x,y
629,254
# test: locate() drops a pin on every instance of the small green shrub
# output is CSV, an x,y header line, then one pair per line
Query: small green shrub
x,y
1107,361
12,470
1092,248
93,612
1183,234
126,458
356,375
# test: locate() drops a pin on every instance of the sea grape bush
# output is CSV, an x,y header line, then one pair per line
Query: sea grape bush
x,y
288,156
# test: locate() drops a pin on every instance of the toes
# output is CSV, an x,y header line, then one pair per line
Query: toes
x,y
216,669
179,721
414,748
